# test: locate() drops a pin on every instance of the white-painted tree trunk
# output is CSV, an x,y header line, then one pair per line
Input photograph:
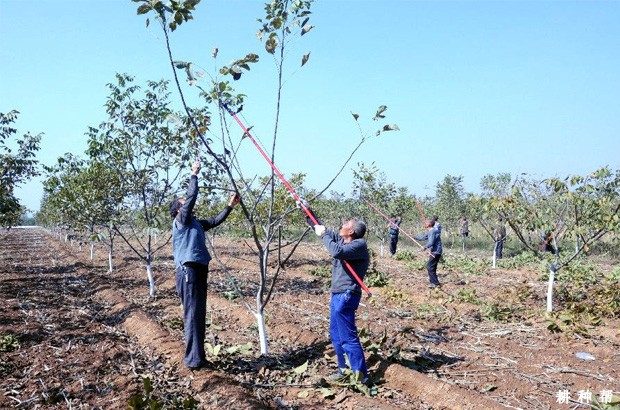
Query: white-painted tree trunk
x,y
550,290
92,250
262,332
149,273
111,266
382,247
494,254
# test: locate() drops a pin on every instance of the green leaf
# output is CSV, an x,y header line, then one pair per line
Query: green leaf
x,y
355,116
327,393
393,127
148,385
271,44
180,64
301,369
144,8
303,394
304,59
232,349
380,112
306,29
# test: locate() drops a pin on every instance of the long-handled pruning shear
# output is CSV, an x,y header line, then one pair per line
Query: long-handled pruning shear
x,y
401,229
296,197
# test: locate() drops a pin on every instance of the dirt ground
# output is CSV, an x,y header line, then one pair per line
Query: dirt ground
x,y
73,335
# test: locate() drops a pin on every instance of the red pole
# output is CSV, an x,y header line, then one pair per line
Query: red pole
x,y
401,229
292,191
424,222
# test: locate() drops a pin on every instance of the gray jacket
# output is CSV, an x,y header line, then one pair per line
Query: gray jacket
x,y
433,241
355,253
188,233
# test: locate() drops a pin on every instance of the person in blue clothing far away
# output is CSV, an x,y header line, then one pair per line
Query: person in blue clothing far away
x,y
433,244
394,230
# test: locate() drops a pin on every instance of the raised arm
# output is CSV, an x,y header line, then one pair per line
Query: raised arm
x,y
185,213
221,217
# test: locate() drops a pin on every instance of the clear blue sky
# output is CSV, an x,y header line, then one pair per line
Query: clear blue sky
x,y
476,87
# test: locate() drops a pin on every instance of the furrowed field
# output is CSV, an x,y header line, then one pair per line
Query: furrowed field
x,y
73,335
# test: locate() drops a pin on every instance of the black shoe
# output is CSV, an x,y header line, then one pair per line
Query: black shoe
x,y
202,365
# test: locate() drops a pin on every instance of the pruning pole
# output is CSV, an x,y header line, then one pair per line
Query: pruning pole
x,y
303,206
417,203
401,229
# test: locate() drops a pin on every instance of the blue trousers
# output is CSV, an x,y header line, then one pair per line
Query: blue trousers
x,y
393,243
343,331
191,281
431,267
499,248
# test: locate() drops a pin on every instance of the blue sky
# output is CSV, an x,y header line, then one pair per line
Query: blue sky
x,y
476,87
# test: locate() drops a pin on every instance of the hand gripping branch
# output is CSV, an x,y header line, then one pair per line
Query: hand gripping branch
x,y
301,203
399,228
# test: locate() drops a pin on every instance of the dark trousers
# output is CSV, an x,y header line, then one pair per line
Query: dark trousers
x,y
393,243
499,248
191,284
343,331
431,266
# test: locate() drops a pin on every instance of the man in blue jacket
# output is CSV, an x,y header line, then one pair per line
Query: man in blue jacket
x,y
433,244
394,230
346,245
191,259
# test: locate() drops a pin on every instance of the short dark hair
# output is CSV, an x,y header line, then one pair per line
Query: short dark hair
x,y
359,228
174,207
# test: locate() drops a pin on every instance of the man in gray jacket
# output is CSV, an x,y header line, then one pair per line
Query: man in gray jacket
x,y
346,245
191,259
433,244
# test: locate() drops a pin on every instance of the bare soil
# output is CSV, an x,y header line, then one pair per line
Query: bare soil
x,y
73,335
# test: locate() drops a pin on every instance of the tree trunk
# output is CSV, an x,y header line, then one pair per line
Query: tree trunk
x,y
382,246
92,250
494,254
149,273
550,290
262,332
111,266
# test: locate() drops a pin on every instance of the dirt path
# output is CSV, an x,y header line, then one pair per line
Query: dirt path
x,y
61,349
